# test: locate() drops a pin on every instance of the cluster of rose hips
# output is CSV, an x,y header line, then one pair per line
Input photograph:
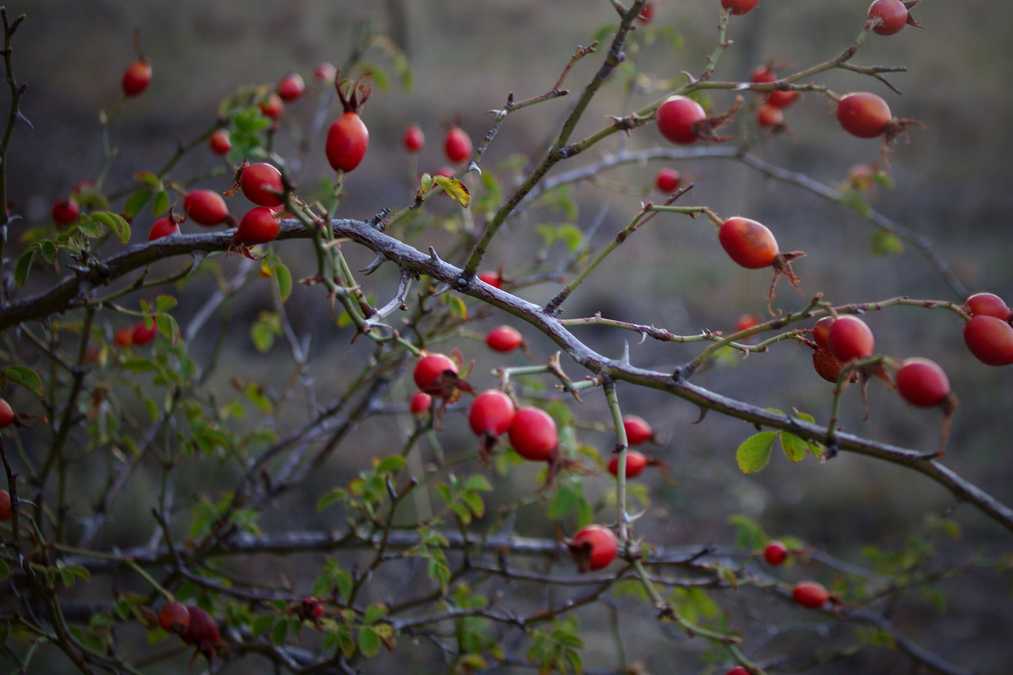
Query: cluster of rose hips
x,y
682,120
261,183
138,335
193,625
457,146
532,432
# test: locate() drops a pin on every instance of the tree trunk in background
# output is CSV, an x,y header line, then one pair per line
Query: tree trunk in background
x,y
397,18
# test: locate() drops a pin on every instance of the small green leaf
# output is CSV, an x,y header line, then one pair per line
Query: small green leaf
x,y
455,189
754,453
283,277
24,267
26,377
369,642
161,204
135,202
116,224
886,243
795,448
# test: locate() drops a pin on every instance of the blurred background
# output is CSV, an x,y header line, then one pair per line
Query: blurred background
x,y
952,185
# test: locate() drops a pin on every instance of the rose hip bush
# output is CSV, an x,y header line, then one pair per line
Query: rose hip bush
x,y
421,561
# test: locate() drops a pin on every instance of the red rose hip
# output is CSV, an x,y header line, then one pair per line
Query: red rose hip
x,y
491,413
638,431
413,138
143,334
810,594
261,184
533,434
174,617
348,137
457,145
7,415
594,548
6,508
987,304
679,118
504,339
667,180
739,7
775,553
990,340
769,117
325,72
748,243
259,226
136,78
435,374
206,207
494,279
291,87
636,462
850,338
420,403
782,98
65,211
272,107
864,115
163,227
890,16
220,142
923,383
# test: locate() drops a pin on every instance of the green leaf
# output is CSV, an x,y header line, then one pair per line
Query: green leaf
x,y
886,243
477,483
135,202
754,453
854,200
116,224
161,204
24,267
283,277
26,377
374,613
796,449
369,642
455,189
748,533
391,464
164,303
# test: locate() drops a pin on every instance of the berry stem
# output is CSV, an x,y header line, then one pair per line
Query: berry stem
x,y
622,450
723,44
